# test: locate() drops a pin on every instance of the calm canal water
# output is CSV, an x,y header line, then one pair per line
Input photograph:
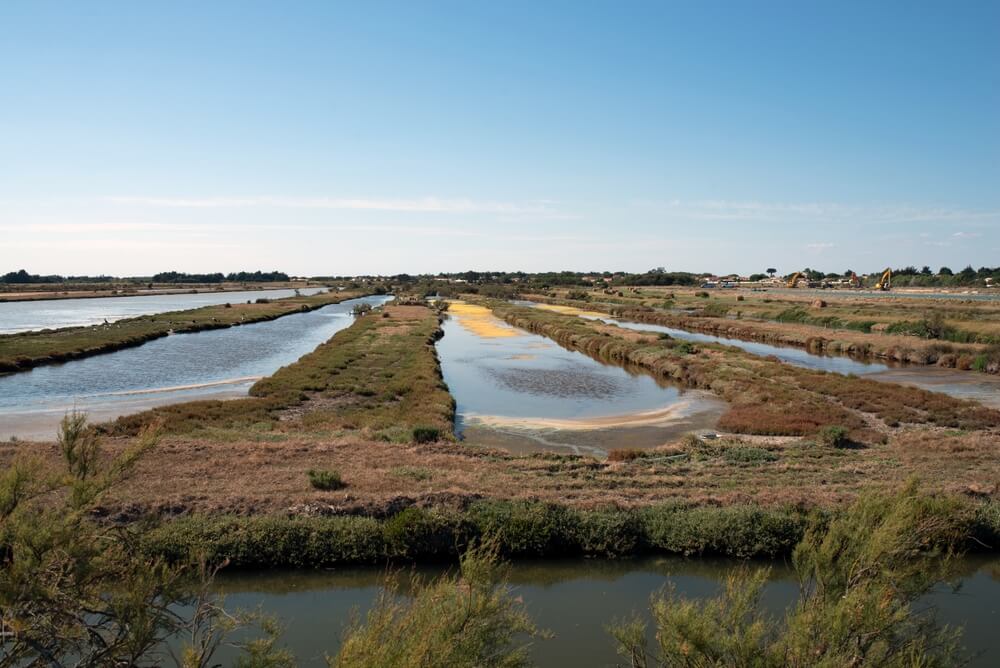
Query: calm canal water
x,y
524,392
575,600
54,313
210,364
961,384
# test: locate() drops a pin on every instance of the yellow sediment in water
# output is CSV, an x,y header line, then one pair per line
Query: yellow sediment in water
x,y
480,321
571,310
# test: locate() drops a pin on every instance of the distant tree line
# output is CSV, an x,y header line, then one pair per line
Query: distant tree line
x,y
22,276
240,277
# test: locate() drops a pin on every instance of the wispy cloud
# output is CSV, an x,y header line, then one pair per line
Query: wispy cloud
x,y
967,235
820,246
815,212
418,205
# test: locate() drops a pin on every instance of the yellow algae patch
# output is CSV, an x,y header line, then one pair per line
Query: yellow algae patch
x,y
571,310
480,321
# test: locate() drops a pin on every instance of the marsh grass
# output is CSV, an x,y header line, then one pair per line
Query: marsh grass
x,y
325,480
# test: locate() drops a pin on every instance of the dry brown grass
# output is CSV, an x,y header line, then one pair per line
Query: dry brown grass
x,y
251,477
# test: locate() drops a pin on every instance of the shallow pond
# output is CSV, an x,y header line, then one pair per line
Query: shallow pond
x,y
54,313
960,384
524,392
218,363
577,599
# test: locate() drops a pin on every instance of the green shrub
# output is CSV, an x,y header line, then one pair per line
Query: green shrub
x,y
980,363
610,533
471,619
417,473
426,434
834,436
525,528
748,455
415,532
738,531
325,480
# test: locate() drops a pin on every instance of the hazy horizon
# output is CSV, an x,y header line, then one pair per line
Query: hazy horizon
x,y
387,138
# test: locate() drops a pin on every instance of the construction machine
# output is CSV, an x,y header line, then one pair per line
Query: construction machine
x,y
885,283
854,280
793,282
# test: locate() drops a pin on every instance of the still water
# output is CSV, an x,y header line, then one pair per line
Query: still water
x,y
960,384
54,313
209,364
577,599
519,386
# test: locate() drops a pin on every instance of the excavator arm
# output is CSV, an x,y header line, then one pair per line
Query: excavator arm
x,y
885,283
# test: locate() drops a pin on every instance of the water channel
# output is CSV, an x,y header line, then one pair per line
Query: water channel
x,y
220,363
524,392
962,384
577,599
31,315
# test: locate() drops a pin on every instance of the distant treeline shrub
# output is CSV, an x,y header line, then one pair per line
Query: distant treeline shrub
x,y
242,277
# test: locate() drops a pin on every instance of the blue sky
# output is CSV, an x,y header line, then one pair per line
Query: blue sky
x,y
375,137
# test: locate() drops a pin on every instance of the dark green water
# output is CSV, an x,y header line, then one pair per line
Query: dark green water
x,y
576,599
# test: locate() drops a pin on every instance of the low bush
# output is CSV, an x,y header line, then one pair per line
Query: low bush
x,y
748,455
426,434
325,480
834,436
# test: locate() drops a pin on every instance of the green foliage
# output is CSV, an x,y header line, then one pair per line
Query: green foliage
x,y
524,528
426,533
325,480
740,531
859,575
834,436
714,310
426,434
748,455
452,622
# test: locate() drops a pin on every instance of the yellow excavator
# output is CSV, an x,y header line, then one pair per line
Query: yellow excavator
x,y
885,283
793,282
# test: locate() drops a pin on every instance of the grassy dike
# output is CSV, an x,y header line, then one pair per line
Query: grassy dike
x,y
380,376
522,529
25,350
798,326
765,396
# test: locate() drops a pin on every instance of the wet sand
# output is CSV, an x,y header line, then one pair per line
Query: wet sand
x,y
594,436
40,424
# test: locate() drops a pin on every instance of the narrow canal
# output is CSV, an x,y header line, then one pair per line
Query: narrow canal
x,y
577,599
212,364
26,316
962,384
526,393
